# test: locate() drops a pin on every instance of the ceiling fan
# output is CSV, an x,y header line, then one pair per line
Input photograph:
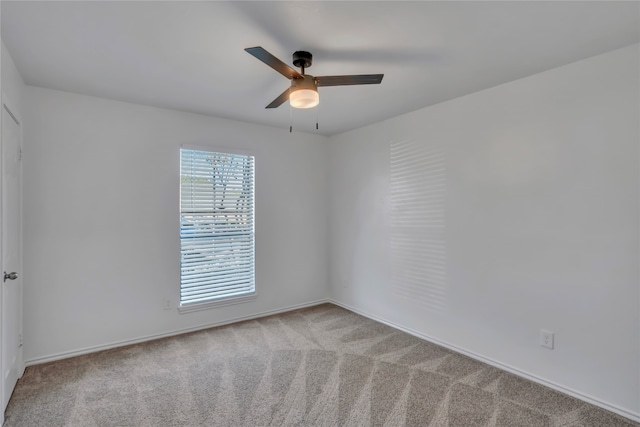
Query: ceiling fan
x,y
303,92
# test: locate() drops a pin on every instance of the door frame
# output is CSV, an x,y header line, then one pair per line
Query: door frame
x,y
6,103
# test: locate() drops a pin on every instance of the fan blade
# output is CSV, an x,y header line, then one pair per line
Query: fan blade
x,y
284,97
273,62
356,79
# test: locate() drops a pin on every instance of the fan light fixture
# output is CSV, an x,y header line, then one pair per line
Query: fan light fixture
x,y
304,93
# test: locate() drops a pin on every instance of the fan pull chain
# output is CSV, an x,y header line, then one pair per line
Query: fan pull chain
x,y
290,118
317,112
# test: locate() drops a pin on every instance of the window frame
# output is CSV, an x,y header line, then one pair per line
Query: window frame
x,y
223,300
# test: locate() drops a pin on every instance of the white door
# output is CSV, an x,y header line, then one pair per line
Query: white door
x,y
10,275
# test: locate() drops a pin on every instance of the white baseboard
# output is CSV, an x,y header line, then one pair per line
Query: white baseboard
x,y
578,395
87,350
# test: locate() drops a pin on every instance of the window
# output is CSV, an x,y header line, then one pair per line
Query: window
x,y
216,227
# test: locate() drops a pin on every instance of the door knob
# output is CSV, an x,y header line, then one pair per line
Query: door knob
x,y
10,276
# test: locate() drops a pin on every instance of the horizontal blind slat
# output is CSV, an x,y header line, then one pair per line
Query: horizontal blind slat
x,y
219,283
238,263
222,289
195,299
216,293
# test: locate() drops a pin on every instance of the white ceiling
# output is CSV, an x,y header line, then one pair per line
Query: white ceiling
x,y
190,55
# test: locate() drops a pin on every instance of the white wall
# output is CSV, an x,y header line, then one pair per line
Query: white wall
x,y
101,240
541,225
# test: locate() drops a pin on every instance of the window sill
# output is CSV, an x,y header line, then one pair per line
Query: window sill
x,y
217,303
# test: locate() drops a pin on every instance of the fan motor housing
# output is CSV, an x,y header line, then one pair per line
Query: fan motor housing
x,y
302,59
306,82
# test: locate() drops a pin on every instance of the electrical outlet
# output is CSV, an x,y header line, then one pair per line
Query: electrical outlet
x,y
167,304
546,339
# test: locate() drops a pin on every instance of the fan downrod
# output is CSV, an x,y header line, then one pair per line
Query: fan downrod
x,y
302,59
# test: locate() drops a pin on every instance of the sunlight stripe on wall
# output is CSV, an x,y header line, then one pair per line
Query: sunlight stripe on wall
x,y
417,239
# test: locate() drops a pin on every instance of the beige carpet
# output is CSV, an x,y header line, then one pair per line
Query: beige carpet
x,y
322,366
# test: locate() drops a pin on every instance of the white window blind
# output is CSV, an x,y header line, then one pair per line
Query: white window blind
x,y
216,226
